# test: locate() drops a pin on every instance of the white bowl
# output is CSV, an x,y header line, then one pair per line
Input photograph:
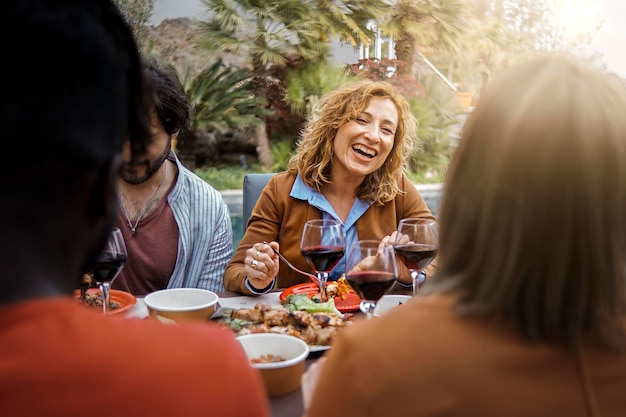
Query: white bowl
x,y
387,302
182,304
279,377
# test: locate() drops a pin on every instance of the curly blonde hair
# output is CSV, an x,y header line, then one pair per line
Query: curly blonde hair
x,y
314,157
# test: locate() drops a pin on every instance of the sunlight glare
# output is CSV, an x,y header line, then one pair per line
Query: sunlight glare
x,y
578,18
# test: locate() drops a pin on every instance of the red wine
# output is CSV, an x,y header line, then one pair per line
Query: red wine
x,y
371,285
322,258
107,266
416,256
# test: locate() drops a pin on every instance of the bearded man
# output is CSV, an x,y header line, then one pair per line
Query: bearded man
x,y
176,227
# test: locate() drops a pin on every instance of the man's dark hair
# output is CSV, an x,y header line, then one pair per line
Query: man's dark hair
x,y
171,104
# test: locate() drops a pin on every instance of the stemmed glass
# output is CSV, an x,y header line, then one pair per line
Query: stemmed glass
x,y
107,265
416,244
371,271
322,245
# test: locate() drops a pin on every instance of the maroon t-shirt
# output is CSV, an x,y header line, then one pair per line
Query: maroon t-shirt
x,y
152,251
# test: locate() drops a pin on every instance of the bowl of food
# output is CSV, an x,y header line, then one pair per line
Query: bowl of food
x,y
279,357
181,304
119,301
388,302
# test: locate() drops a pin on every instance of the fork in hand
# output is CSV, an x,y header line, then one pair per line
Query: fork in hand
x,y
290,265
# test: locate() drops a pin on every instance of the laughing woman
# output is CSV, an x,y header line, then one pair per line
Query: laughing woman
x,y
349,166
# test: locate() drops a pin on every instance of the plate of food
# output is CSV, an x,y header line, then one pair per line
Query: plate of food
x,y
119,301
346,300
316,328
318,348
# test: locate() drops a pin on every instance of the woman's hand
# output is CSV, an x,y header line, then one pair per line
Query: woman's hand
x,y
392,238
395,238
261,264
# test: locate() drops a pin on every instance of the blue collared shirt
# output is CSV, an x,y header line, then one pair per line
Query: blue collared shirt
x,y
205,234
301,191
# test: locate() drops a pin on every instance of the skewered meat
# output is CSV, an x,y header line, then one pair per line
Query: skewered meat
x,y
313,328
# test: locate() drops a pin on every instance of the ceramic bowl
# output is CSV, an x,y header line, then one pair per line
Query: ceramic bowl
x,y
279,377
182,304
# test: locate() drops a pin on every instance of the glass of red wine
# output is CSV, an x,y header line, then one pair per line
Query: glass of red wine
x,y
322,246
416,245
371,271
107,265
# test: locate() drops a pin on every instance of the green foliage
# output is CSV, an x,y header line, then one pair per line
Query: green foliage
x,y
437,114
280,32
230,178
222,98
427,177
431,23
281,152
428,24
348,19
307,84
269,32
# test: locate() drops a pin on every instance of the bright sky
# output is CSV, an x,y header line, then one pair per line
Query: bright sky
x,y
611,40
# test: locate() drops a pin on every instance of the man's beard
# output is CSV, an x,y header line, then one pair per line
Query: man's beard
x,y
153,168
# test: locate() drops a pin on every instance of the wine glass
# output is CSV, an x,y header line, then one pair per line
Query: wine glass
x,y
416,244
322,245
107,265
371,271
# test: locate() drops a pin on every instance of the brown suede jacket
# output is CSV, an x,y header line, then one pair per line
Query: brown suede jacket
x,y
279,217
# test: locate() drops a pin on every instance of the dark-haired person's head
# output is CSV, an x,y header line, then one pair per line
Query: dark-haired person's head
x,y
74,92
532,219
170,116
171,104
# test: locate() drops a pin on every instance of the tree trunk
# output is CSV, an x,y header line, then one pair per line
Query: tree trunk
x,y
405,53
260,90
263,147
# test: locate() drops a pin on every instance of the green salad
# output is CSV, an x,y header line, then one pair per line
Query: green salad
x,y
295,302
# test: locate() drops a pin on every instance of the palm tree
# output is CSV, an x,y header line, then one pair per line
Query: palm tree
x,y
308,83
279,32
269,33
423,24
349,19
221,99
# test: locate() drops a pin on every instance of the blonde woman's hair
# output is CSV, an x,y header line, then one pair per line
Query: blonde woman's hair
x,y
314,157
533,217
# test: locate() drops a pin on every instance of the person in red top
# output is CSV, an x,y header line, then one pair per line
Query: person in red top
x,y
73,96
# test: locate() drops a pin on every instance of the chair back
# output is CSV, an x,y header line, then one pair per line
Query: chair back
x,y
253,185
